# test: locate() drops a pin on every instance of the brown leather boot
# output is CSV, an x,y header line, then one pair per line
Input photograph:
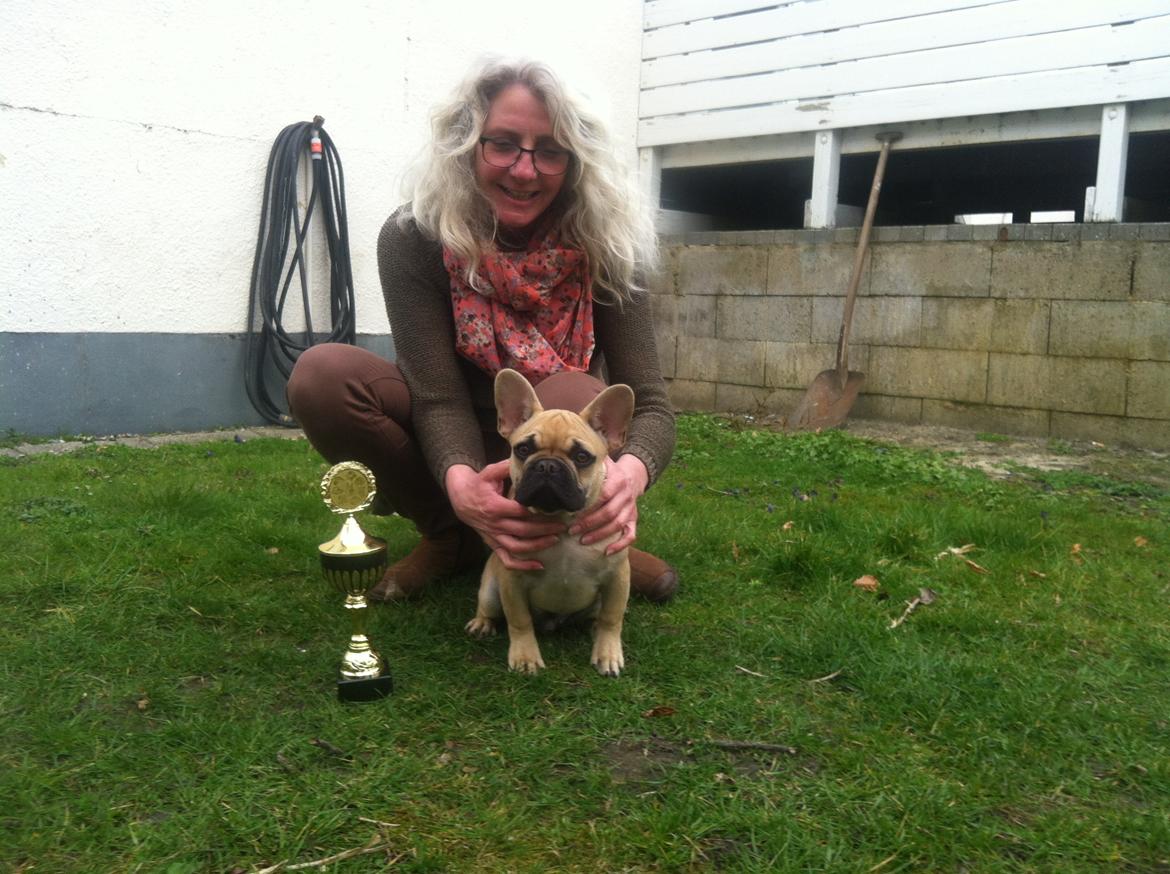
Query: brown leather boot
x,y
450,552
651,577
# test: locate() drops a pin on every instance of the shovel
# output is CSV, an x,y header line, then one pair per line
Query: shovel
x,y
832,393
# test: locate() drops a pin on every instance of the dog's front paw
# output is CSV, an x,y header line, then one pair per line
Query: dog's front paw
x,y
480,626
607,656
524,658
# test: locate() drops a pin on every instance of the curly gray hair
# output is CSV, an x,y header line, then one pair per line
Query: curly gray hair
x,y
603,212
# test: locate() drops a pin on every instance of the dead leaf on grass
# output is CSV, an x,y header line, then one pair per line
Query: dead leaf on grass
x,y
979,569
661,710
955,550
272,550
1140,542
787,526
868,582
1037,574
735,550
1075,553
142,703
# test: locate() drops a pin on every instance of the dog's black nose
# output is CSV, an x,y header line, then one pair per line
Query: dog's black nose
x,y
546,467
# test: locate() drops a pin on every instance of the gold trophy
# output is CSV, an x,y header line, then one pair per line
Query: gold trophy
x,y
353,561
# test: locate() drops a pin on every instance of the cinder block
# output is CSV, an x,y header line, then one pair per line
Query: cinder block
x,y
741,362
750,399
1090,270
928,373
782,319
955,323
1112,430
1092,329
666,346
697,358
1154,231
886,408
1151,272
981,417
1149,331
1074,385
883,321
722,270
1020,326
697,315
662,280
795,365
812,270
931,269
1148,393
691,395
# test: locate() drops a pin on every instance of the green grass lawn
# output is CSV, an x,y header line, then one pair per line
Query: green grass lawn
x,y
169,649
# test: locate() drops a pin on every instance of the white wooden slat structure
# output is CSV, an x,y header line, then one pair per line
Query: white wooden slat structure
x,y
749,80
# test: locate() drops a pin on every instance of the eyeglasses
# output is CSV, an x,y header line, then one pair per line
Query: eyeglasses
x,y
505,153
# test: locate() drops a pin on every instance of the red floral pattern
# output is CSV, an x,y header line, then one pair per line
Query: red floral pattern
x,y
534,314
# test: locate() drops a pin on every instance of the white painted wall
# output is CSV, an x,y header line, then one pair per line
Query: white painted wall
x,y
134,136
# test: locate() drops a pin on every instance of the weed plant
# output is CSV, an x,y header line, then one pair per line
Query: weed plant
x,y
169,652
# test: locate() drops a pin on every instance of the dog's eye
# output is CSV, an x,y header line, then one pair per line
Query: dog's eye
x,y
582,458
523,450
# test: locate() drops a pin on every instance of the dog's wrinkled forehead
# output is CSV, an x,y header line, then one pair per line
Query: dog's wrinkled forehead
x,y
558,431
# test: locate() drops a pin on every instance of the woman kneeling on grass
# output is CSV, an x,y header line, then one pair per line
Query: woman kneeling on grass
x,y
521,221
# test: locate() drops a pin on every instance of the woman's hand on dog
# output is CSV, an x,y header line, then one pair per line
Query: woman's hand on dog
x,y
510,530
617,511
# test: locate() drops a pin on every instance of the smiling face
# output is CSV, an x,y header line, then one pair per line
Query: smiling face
x,y
519,195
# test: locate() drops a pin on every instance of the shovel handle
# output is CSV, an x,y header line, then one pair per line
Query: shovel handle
x,y
887,140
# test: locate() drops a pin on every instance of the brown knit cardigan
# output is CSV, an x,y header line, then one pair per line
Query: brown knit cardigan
x,y
452,400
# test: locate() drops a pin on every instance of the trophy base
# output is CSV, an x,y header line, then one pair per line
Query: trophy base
x,y
367,689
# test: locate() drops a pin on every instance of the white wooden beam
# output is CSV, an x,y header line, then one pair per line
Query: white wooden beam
x,y
1139,80
1108,198
936,133
826,174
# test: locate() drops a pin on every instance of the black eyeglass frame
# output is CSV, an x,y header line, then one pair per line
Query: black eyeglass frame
x,y
521,151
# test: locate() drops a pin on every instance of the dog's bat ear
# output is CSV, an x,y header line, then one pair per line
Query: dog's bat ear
x,y
609,415
516,402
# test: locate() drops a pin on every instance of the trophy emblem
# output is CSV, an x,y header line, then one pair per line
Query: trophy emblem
x,y
352,562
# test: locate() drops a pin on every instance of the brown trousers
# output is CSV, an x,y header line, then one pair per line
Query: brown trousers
x,y
355,406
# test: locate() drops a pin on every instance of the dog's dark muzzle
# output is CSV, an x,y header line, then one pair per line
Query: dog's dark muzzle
x,y
548,484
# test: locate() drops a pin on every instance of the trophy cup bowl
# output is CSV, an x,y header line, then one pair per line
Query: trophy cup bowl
x,y
352,562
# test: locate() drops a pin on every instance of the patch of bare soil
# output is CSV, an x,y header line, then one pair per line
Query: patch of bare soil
x,y
1001,455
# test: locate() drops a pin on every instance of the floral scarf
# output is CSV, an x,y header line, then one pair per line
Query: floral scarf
x,y
534,313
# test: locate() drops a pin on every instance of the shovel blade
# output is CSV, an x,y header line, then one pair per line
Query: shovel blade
x,y
827,402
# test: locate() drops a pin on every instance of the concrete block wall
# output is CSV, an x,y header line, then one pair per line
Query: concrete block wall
x,y
1058,331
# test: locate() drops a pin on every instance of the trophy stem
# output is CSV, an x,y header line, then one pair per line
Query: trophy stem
x,y
360,661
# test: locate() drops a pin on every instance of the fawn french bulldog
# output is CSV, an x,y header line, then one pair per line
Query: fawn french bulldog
x,y
558,468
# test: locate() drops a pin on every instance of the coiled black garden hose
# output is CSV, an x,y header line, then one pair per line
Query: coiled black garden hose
x,y
271,350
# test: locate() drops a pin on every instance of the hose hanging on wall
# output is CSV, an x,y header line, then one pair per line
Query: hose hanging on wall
x,y
272,350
